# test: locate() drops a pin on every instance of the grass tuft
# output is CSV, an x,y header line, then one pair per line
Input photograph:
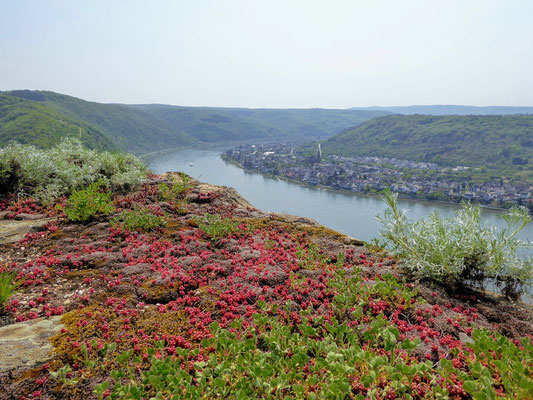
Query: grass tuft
x,y
7,287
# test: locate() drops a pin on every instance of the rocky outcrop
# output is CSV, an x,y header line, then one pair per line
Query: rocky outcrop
x,y
12,231
136,288
26,344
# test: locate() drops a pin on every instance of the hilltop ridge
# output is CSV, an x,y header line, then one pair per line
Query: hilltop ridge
x,y
451,109
146,128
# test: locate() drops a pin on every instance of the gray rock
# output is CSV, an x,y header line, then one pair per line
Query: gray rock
x,y
12,231
463,337
26,344
250,254
136,269
348,240
230,195
28,217
190,260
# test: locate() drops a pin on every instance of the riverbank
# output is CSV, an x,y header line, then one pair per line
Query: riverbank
x,y
203,146
331,189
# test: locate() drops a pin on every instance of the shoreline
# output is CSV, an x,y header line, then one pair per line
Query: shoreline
x,y
331,189
200,146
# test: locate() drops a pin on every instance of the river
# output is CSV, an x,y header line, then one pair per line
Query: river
x,y
350,213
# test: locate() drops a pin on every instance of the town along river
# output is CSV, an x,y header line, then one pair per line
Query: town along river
x,y
349,213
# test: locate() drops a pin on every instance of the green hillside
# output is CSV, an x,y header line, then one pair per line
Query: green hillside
x,y
43,117
133,130
32,122
211,124
503,144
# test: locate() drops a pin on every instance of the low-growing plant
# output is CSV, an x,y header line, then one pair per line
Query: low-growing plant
x,y
310,258
216,227
460,250
364,347
177,190
63,374
8,286
273,360
301,357
139,219
90,203
495,356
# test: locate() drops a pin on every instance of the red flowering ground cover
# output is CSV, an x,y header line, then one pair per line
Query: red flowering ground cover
x,y
277,308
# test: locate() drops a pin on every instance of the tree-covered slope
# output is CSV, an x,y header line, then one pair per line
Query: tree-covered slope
x,y
144,128
134,130
494,142
33,122
211,124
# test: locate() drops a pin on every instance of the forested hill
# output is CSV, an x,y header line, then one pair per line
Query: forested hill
x,y
32,122
217,124
451,110
127,128
504,143
43,117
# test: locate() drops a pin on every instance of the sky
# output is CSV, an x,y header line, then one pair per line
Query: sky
x,y
279,54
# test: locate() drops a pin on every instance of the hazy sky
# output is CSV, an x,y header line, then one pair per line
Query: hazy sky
x,y
287,53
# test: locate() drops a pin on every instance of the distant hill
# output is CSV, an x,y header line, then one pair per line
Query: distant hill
x,y
145,128
213,124
33,122
500,143
450,110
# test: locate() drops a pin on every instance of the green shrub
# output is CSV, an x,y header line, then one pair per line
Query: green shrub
x,y
177,190
461,250
139,219
7,287
49,174
9,173
216,227
89,203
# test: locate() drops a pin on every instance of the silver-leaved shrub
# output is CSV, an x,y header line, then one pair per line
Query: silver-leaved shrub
x,y
460,250
49,174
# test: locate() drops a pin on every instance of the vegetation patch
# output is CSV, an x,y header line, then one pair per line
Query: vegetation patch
x,y
49,174
139,219
217,227
8,286
177,190
460,250
88,204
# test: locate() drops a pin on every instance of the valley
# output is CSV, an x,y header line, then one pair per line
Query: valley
x,y
43,118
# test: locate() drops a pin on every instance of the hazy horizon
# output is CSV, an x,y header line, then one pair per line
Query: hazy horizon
x,y
298,54
279,108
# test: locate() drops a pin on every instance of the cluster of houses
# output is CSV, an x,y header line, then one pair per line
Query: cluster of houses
x,y
375,174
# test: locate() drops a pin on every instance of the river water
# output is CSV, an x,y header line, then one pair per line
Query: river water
x,y
348,213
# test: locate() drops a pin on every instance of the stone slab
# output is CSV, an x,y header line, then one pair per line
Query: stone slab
x,y
26,344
